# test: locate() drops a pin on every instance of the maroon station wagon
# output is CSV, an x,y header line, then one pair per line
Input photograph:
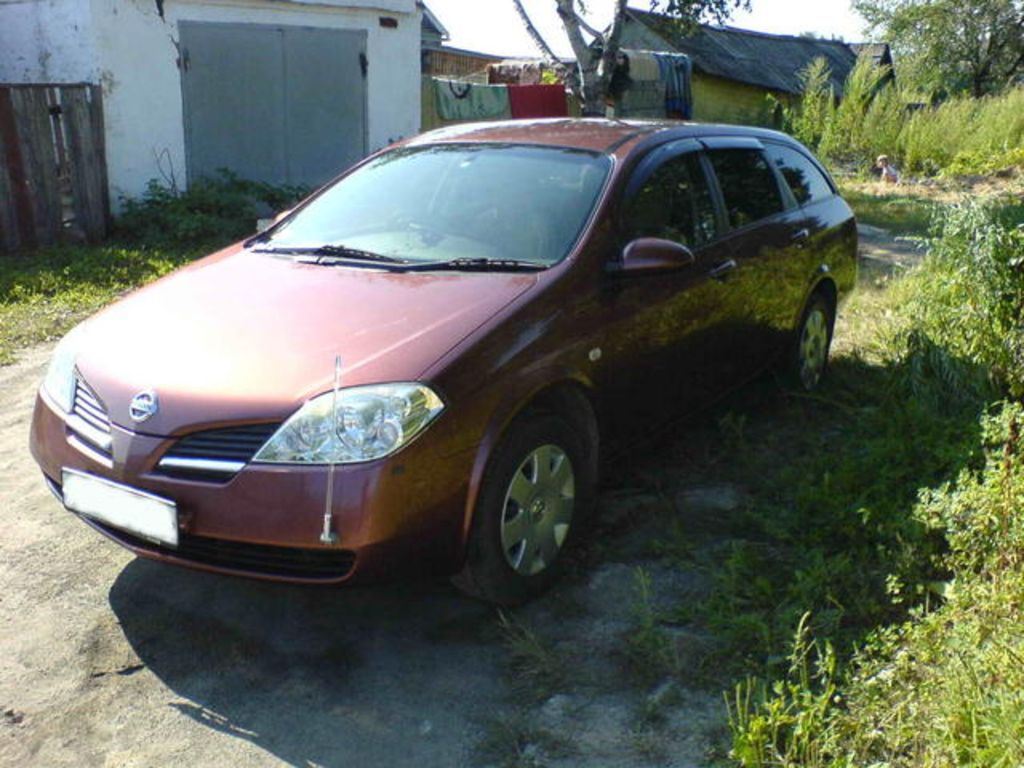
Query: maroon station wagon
x,y
415,369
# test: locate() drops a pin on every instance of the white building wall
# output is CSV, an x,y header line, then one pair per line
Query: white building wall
x,y
46,41
132,52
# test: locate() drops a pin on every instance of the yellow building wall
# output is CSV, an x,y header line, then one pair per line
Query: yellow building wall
x,y
716,100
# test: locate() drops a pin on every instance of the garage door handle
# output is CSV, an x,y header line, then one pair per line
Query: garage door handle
x,y
719,272
801,237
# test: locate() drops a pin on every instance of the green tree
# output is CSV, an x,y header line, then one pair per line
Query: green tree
x,y
597,50
946,46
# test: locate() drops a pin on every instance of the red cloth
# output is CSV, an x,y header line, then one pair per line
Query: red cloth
x,y
537,101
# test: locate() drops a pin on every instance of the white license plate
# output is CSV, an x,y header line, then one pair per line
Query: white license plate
x,y
137,512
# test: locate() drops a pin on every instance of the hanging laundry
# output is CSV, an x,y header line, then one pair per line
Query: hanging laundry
x,y
644,97
676,73
429,117
643,66
537,101
466,101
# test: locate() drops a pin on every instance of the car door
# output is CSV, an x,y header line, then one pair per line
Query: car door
x,y
831,237
766,237
661,352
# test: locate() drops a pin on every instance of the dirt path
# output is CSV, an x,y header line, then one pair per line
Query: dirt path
x,y
880,250
106,660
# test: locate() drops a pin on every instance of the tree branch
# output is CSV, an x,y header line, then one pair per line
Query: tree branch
x,y
596,34
610,54
571,22
586,62
540,42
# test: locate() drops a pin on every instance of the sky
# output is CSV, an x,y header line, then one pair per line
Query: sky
x,y
492,26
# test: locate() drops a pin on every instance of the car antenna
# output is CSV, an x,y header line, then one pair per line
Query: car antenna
x,y
328,536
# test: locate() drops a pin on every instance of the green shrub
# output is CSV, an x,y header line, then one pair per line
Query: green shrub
x,y
210,213
961,136
968,297
944,688
943,683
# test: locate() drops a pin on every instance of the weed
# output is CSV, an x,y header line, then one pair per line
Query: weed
x,y
780,725
513,741
651,653
651,745
537,668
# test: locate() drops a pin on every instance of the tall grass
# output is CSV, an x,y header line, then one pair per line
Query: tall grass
x,y
960,136
943,682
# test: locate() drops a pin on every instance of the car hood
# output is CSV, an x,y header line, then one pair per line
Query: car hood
x,y
245,336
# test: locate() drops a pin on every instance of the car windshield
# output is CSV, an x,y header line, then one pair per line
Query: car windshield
x,y
452,202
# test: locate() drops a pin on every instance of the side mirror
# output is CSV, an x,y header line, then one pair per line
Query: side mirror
x,y
265,224
652,255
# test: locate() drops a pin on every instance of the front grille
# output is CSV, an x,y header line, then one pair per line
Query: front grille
x,y
254,559
214,455
89,420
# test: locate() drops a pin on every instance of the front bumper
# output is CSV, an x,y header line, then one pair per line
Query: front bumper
x,y
403,514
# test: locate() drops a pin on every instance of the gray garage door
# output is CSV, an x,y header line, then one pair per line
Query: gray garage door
x,y
285,105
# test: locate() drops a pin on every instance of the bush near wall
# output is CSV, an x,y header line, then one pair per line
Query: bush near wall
x,y
210,212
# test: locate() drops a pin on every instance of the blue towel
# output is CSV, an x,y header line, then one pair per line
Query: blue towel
x,y
676,69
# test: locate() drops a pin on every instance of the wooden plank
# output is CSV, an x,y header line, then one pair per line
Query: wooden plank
x,y
22,233
8,219
35,139
99,132
88,177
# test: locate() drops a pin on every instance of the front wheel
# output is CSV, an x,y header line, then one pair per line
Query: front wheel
x,y
808,357
535,494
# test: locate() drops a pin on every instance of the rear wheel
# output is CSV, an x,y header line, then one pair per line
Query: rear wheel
x,y
535,493
808,358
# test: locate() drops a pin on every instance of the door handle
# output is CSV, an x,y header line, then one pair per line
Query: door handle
x,y
801,237
720,271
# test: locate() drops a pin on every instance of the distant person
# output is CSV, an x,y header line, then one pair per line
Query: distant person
x,y
888,171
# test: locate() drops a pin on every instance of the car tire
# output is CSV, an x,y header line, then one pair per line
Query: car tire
x,y
807,359
535,494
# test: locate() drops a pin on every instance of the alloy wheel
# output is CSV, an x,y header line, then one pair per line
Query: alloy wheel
x,y
813,348
538,510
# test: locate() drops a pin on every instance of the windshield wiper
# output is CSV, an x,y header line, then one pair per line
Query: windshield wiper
x,y
476,265
332,254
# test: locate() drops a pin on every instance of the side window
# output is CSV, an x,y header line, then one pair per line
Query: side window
x,y
674,203
748,185
808,183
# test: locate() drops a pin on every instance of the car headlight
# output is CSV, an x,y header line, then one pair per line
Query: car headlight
x,y
353,425
60,376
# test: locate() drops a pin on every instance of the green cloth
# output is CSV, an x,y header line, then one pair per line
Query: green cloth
x,y
465,101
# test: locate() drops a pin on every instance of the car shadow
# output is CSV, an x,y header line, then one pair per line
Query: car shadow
x,y
317,676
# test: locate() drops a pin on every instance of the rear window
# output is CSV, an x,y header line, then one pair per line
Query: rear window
x,y
748,185
805,180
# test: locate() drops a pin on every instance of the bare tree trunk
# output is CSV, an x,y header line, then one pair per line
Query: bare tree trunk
x,y
593,69
592,85
610,55
539,41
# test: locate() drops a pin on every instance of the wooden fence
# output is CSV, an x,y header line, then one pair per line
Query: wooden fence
x,y
53,170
